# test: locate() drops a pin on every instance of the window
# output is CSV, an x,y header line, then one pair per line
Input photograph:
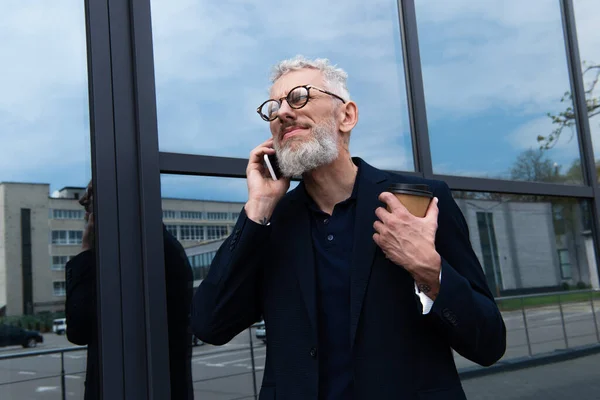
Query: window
x,y
172,229
216,232
586,15
59,288
67,237
58,262
490,104
235,216
191,215
200,264
565,264
521,241
192,232
489,251
169,214
217,216
363,40
67,214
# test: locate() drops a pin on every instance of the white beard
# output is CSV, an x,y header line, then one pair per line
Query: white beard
x,y
318,150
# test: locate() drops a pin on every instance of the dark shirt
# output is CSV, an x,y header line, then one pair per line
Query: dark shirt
x,y
332,237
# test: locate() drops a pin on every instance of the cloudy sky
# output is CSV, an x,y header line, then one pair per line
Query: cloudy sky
x,y
492,70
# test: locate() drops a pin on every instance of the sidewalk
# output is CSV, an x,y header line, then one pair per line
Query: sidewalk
x,y
578,378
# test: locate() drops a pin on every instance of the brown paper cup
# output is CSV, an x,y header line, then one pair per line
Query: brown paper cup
x,y
416,205
415,197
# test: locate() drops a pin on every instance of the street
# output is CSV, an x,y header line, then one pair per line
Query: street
x,y
225,372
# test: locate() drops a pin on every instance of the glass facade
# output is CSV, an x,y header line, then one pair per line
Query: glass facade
x,y
586,13
212,63
495,77
45,165
483,95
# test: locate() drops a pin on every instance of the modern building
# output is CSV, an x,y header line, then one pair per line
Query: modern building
x,y
40,232
156,101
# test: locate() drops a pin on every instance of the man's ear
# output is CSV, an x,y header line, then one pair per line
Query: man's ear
x,y
348,117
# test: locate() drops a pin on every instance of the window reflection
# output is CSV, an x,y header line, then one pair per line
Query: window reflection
x,y
213,60
529,243
496,84
217,203
44,168
586,19
541,248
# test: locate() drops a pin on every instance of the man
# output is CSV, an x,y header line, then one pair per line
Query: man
x,y
335,274
81,311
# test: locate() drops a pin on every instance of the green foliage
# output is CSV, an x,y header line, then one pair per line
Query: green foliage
x,y
40,322
545,300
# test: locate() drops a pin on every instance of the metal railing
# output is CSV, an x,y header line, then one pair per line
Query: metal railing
x,y
38,353
510,312
543,321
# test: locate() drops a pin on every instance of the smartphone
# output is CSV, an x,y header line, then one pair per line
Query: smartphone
x,y
273,166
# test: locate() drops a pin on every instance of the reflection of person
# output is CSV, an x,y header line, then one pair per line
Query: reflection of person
x,y
81,307
335,274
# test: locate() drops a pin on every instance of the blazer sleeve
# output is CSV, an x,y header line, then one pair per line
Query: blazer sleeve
x,y
466,310
228,300
80,306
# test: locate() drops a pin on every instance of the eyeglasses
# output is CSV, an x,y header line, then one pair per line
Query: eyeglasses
x,y
296,98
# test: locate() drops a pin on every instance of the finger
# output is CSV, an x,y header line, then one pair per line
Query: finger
x,y
256,155
377,239
392,202
255,161
378,226
383,214
433,210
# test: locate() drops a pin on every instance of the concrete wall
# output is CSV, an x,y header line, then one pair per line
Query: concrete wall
x,y
525,241
15,197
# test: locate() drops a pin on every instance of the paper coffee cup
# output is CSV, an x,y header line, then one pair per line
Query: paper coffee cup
x,y
415,197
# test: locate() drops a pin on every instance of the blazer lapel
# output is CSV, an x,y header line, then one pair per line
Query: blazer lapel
x,y
371,184
303,256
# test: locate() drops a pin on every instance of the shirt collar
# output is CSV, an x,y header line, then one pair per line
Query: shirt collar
x,y
311,203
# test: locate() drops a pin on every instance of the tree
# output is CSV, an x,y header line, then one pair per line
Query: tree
x,y
566,118
533,166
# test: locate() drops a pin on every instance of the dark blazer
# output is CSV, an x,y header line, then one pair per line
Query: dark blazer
x,y
397,352
81,315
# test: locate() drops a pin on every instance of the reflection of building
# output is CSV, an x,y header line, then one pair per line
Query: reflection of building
x,y
527,246
39,233
201,256
522,246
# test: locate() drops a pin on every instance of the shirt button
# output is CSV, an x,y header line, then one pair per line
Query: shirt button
x,y
313,352
326,221
330,237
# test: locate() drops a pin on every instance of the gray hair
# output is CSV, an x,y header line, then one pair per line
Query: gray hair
x,y
335,78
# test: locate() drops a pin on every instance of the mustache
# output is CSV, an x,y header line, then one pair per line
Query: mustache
x,y
286,126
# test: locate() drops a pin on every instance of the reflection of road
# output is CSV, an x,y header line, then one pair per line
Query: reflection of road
x,y
225,372
23,369
545,329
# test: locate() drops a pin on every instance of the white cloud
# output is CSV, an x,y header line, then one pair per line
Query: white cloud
x,y
44,123
212,67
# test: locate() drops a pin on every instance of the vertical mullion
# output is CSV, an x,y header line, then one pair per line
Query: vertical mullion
x,y
108,281
414,87
586,149
150,202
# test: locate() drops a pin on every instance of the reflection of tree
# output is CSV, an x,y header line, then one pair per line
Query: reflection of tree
x,y
533,165
566,118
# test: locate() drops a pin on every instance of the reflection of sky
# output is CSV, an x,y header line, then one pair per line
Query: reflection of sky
x,y
492,70
586,12
210,83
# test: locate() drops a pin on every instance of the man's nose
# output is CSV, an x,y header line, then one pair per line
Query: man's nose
x,y
285,112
